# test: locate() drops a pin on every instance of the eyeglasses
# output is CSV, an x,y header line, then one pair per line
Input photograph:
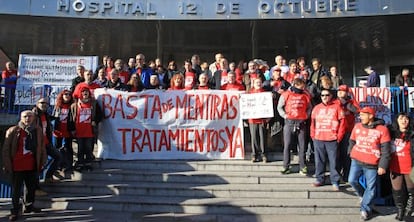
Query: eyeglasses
x,y
324,95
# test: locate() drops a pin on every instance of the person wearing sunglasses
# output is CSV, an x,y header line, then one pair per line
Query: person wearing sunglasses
x,y
327,130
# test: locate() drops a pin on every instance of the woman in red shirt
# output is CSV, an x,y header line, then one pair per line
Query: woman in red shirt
x,y
401,163
61,132
84,117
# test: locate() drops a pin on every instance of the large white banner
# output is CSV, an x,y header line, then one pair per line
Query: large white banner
x,y
42,75
377,97
156,124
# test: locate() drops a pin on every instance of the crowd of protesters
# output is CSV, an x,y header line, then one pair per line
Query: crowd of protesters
x,y
313,111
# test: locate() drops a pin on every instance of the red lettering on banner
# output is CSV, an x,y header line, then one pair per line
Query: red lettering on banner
x,y
135,109
186,140
123,131
145,97
156,107
118,107
136,135
106,105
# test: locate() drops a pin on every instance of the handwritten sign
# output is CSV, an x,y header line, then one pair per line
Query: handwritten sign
x,y
156,124
256,105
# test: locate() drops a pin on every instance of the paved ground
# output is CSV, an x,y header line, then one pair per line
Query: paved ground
x,y
48,215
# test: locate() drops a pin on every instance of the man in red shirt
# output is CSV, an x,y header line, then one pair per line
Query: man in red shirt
x,y
327,129
9,79
232,84
369,148
89,83
23,156
295,107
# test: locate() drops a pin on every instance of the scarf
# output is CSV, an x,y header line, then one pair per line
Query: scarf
x,y
30,141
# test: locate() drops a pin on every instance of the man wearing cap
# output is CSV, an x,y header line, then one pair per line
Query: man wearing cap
x,y
350,108
369,148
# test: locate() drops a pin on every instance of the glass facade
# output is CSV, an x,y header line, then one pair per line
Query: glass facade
x,y
385,42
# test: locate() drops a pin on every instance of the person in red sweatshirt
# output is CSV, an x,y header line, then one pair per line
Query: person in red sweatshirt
x,y
257,128
295,106
327,129
350,109
84,117
369,148
23,157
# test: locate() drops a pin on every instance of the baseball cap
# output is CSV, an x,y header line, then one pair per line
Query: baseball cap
x,y
343,88
368,109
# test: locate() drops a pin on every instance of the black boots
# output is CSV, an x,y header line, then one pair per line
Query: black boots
x,y
399,200
409,209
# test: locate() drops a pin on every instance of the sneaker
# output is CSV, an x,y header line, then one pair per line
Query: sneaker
x,y
264,159
317,184
32,209
13,217
303,171
254,159
364,216
40,193
285,171
335,187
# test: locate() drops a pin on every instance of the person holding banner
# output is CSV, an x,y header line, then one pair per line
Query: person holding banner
x,y
402,157
257,128
24,156
84,116
327,130
177,82
369,148
202,82
115,82
295,106
134,84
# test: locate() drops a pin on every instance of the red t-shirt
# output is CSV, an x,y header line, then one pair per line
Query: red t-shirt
x,y
84,121
189,80
124,76
63,125
401,156
23,159
235,87
326,124
44,128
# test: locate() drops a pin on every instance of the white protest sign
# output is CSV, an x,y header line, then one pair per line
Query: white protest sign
x,y
47,75
176,124
256,105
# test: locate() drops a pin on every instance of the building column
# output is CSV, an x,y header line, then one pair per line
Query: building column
x,y
159,39
253,30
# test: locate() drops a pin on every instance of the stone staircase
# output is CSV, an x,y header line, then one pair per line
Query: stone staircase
x,y
217,190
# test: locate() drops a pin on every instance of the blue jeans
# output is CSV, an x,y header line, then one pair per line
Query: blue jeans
x,y
324,151
367,194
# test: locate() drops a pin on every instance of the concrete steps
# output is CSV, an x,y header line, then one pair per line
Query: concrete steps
x,y
216,188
